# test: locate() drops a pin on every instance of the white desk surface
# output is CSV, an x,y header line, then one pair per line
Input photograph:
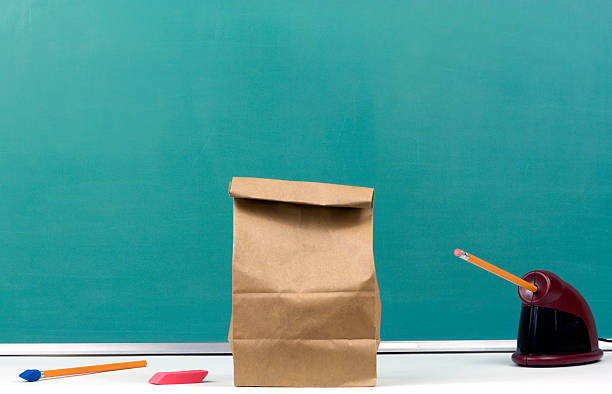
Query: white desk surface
x,y
411,373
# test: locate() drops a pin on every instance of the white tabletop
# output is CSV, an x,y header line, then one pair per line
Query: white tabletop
x,y
413,373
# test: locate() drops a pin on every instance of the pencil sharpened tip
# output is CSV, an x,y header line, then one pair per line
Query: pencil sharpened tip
x,y
31,375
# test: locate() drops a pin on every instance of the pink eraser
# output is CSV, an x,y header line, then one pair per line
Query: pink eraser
x,y
179,377
458,252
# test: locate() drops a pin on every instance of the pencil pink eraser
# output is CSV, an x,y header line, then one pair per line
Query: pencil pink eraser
x,y
457,252
179,377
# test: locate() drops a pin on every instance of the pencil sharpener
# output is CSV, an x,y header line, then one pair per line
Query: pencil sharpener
x,y
556,325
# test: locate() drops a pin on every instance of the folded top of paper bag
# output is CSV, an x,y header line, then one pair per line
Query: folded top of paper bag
x,y
310,193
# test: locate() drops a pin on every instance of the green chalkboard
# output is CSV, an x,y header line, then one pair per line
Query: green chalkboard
x,y
482,125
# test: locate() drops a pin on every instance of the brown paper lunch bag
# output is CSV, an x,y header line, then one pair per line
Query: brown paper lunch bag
x,y
305,300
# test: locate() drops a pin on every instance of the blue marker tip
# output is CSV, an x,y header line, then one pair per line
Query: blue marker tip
x,y
31,375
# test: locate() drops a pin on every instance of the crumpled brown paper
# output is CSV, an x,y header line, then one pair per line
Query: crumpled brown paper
x,y
305,300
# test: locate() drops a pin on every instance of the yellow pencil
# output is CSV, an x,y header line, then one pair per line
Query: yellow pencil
x,y
495,270
33,375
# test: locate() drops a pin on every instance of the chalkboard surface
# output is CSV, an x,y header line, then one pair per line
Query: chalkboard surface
x,y
482,125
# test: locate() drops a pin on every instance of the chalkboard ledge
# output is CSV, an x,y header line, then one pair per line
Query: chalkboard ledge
x,y
222,348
